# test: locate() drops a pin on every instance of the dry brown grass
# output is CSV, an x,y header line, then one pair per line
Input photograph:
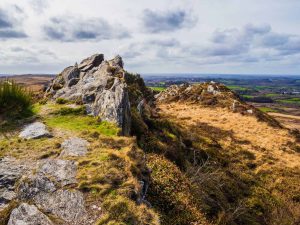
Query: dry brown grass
x,y
231,128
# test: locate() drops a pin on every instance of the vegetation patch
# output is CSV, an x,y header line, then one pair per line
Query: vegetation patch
x,y
15,105
111,173
159,89
80,123
267,109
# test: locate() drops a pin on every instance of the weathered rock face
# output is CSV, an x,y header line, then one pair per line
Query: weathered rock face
x,y
98,84
45,187
10,172
28,215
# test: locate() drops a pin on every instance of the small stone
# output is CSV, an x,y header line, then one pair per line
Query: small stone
x,y
27,214
35,130
250,111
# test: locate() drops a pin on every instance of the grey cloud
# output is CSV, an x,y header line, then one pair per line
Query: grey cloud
x,y
250,44
71,29
156,21
12,34
9,21
4,20
251,29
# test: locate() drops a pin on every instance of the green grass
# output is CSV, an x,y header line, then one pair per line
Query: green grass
x,y
158,88
237,88
267,109
80,123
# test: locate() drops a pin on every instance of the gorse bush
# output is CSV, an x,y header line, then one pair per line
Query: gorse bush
x,y
13,97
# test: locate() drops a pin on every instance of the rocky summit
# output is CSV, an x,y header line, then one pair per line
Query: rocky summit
x,y
99,85
188,155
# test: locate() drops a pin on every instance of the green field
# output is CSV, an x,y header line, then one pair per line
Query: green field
x,y
236,87
267,109
290,101
158,88
248,96
272,95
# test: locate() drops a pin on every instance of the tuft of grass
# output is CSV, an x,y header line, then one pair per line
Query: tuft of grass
x,y
81,110
13,97
15,105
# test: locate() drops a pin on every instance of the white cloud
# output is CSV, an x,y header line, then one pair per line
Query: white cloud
x,y
205,36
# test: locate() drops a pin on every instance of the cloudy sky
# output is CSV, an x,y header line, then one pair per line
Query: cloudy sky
x,y
157,36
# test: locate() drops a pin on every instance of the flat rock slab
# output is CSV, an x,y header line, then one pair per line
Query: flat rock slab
x,y
62,171
35,130
28,215
65,204
74,147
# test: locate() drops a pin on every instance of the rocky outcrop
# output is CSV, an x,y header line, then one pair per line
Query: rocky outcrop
x,y
35,130
99,85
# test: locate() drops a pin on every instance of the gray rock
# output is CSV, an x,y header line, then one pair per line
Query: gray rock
x,y
101,87
35,130
34,185
89,63
65,204
62,172
74,147
10,172
28,215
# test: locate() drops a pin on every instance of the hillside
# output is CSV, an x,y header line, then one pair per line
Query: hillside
x,y
102,148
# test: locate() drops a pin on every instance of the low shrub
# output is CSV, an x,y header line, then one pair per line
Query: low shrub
x,y
61,101
13,97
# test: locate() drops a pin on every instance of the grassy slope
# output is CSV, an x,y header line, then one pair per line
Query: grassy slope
x,y
109,174
256,165
234,168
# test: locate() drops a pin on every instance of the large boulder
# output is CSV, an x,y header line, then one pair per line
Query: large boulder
x,y
99,85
